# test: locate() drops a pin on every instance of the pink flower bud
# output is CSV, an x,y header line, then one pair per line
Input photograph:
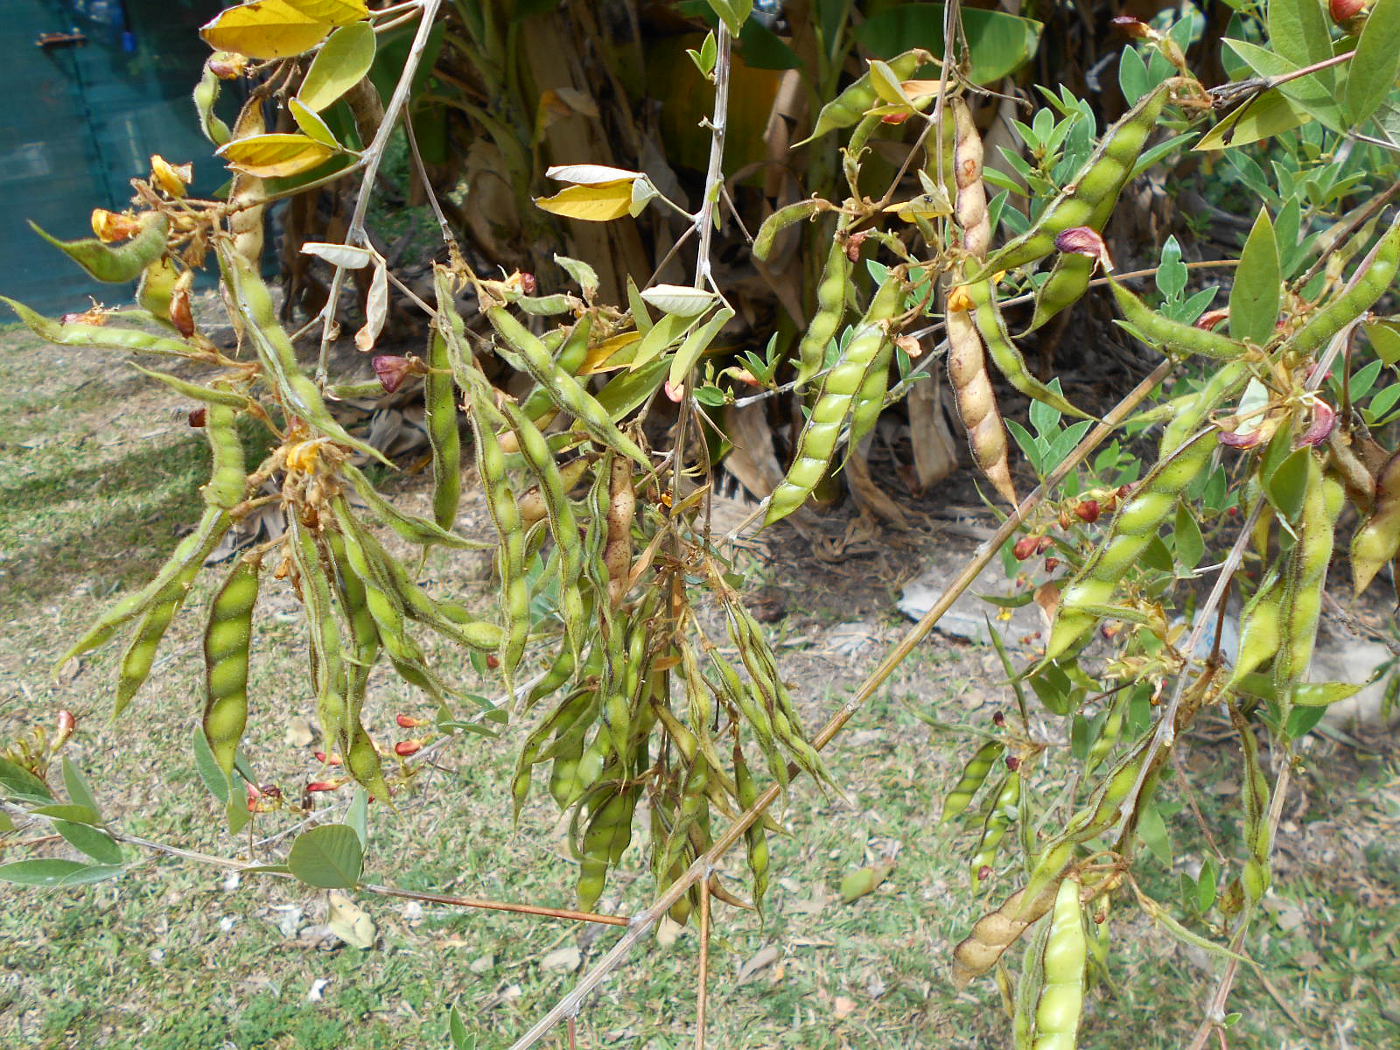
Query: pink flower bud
x,y
1025,548
404,748
1088,511
1212,319
391,370
1343,11
1249,440
1084,240
1324,421
407,722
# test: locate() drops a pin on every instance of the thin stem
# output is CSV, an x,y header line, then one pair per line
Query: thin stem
x,y
702,993
372,157
643,921
490,905
446,227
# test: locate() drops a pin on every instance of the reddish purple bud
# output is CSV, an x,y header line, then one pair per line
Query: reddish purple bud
x,y
1212,319
322,785
528,284
391,370
1345,10
1013,763
407,722
1025,548
198,416
271,790
404,748
1088,511
1324,421
984,873
1043,544
1249,440
1084,240
999,719
1051,564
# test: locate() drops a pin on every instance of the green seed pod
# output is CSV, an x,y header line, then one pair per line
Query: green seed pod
x,y
1262,628
1062,997
440,405
1133,529
817,443
1372,279
832,292
999,819
1174,337
974,775
851,104
228,478
1093,191
1004,353
1378,540
227,640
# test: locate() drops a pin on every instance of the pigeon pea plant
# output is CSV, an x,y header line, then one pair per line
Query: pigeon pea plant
x,y
604,556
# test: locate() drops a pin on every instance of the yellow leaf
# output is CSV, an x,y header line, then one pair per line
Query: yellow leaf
x,y
279,28
599,203
608,354
275,156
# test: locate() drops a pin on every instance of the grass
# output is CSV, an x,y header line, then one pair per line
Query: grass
x,y
99,473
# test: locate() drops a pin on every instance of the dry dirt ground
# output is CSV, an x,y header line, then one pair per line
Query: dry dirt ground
x,y
98,471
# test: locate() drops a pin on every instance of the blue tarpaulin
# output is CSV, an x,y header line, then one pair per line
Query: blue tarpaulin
x,y
80,118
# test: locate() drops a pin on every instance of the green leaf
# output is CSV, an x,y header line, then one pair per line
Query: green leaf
x,y
343,60
1371,76
1207,885
1153,832
1269,114
1132,75
54,873
208,767
357,816
124,262
1287,485
584,275
95,842
733,13
1298,31
626,391
999,43
16,780
457,1028
76,814
1190,545
1316,92
329,856
1255,298
695,346
1385,340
